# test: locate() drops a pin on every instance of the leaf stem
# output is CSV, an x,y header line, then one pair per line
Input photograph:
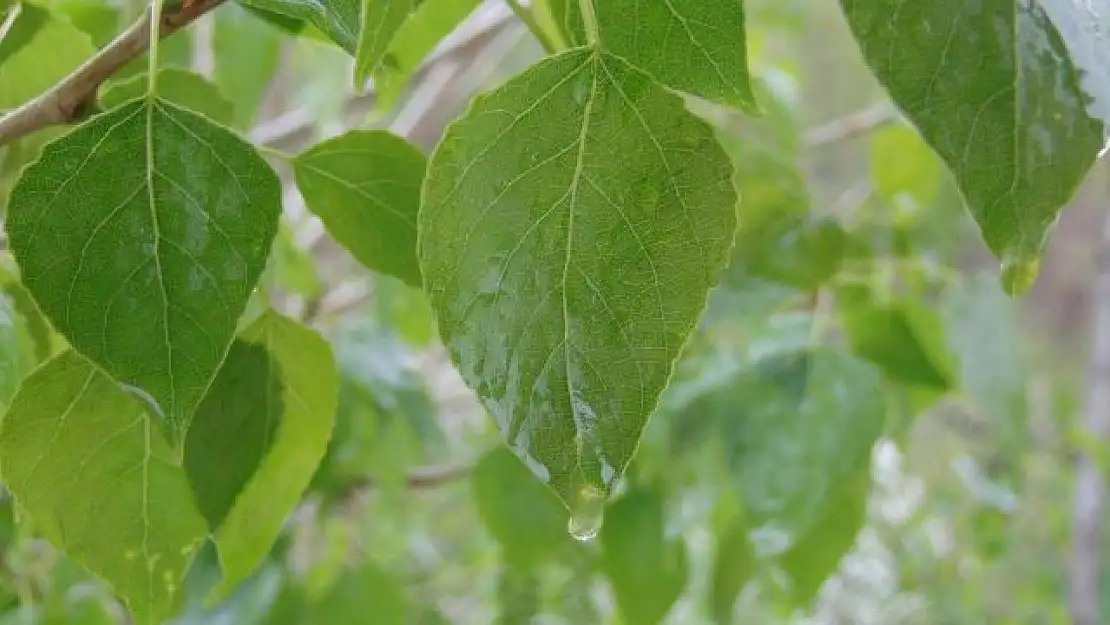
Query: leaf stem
x,y
589,19
152,56
529,20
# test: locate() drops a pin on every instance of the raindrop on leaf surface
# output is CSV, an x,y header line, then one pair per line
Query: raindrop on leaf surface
x,y
1019,274
587,514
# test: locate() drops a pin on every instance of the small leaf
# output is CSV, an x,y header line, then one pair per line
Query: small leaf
x,y
80,457
381,19
365,187
733,567
521,514
817,554
902,164
38,50
804,422
648,571
993,90
697,46
338,19
182,87
426,27
982,332
565,281
249,55
149,278
258,437
905,339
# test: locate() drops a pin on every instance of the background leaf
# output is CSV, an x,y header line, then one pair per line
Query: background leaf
x,y
182,87
123,508
381,19
259,436
365,187
38,50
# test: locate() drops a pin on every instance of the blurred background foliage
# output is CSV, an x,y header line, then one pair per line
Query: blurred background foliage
x,y
864,429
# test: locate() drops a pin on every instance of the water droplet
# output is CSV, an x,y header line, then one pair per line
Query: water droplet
x,y
1019,274
587,514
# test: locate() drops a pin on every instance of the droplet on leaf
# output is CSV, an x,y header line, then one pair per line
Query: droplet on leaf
x,y
1019,274
587,514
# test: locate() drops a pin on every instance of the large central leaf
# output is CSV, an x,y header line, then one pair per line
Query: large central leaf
x,y
141,235
573,223
992,88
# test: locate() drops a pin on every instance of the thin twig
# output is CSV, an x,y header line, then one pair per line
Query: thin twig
x,y
852,125
64,102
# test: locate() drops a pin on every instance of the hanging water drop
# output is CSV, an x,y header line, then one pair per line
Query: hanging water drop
x,y
1019,274
587,514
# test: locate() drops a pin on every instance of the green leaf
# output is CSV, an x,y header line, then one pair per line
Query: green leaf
x,y
565,281
182,87
338,19
78,453
98,19
368,596
148,280
258,437
697,46
647,570
804,422
817,554
734,565
521,514
38,50
902,165
414,41
250,52
982,333
365,187
992,89
903,338
518,592
381,19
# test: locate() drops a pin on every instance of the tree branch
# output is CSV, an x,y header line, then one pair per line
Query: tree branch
x,y
64,102
1085,587
852,125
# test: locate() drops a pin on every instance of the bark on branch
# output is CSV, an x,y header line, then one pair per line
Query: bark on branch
x,y
1084,592
65,102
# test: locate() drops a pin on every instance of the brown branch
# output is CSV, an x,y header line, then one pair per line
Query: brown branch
x,y
64,102
1090,485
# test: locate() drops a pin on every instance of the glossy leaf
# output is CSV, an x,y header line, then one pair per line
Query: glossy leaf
x,y
904,339
564,280
38,50
179,86
521,514
992,89
82,457
338,19
734,566
381,19
148,280
258,437
414,41
817,555
697,46
647,569
365,187
803,423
